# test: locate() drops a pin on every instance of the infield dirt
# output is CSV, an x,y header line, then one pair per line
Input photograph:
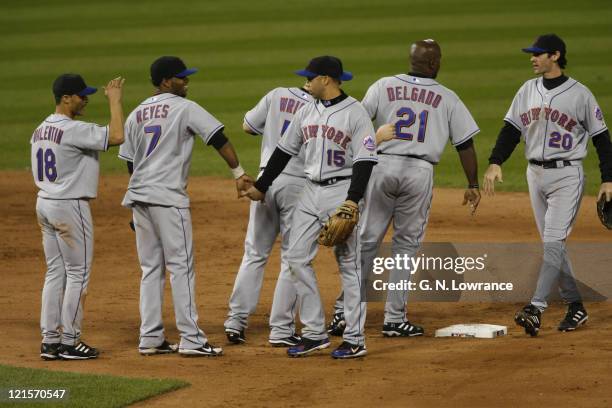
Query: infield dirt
x,y
560,369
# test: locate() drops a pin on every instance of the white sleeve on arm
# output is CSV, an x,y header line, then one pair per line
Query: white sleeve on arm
x,y
256,117
89,136
371,100
202,123
461,124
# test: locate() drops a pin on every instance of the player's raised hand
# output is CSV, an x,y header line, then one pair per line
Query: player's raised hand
x,y
254,194
493,174
384,133
243,183
605,191
114,88
472,196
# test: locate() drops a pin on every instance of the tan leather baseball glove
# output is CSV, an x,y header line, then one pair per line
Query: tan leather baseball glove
x,y
340,225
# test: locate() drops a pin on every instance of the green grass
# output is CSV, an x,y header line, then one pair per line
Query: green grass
x,y
83,390
244,48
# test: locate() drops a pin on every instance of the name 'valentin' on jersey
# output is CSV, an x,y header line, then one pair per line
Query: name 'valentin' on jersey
x,y
64,157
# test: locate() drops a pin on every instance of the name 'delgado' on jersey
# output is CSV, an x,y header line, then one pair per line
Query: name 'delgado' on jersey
x,y
415,94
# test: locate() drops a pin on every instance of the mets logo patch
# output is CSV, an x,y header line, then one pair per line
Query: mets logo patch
x,y
598,113
369,143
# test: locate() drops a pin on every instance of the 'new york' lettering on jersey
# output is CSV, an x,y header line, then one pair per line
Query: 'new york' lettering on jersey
x,y
426,115
159,139
271,118
556,124
64,157
334,138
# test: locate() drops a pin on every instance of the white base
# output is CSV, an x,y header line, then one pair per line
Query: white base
x,y
481,331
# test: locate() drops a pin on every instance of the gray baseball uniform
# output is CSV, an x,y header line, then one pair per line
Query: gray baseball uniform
x,y
65,169
270,118
426,115
159,139
334,138
556,125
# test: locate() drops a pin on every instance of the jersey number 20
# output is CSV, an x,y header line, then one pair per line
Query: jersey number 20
x,y
400,125
557,140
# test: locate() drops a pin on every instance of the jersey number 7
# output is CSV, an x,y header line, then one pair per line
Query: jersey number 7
x,y
402,124
156,131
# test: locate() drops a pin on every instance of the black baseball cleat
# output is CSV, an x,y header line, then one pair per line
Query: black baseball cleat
x,y
404,329
337,325
530,318
164,348
286,342
235,336
79,352
575,317
207,350
348,350
50,351
307,346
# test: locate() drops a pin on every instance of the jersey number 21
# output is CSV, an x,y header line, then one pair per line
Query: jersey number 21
x,y
402,125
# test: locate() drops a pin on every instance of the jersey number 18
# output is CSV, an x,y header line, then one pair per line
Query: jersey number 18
x,y
46,164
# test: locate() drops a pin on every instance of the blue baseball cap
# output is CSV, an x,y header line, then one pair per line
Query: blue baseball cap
x,y
547,43
325,65
169,67
72,84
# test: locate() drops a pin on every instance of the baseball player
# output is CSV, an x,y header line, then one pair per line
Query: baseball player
x,y
340,152
160,135
556,115
269,118
424,115
65,168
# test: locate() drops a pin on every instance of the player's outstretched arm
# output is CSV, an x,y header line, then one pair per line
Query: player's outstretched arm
x,y
509,136
243,180
114,91
469,162
492,175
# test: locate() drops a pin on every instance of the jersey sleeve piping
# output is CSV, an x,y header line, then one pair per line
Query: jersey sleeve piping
x,y
469,136
510,121
215,130
106,146
285,150
603,129
370,159
126,158
253,128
